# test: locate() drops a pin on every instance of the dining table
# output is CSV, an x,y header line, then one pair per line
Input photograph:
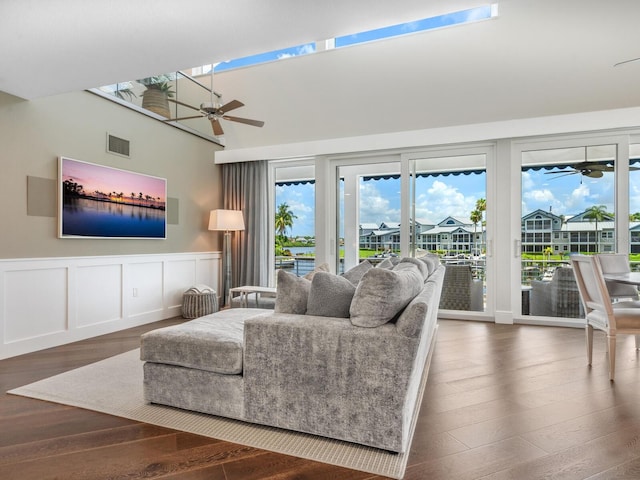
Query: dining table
x,y
629,278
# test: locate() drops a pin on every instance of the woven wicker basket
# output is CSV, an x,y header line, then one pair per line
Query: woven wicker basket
x,y
199,301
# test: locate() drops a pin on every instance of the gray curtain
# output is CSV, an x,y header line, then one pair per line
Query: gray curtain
x,y
245,188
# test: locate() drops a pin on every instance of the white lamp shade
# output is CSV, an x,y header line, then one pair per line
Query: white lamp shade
x,y
226,220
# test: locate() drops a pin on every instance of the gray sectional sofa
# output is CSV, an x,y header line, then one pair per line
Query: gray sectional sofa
x,y
340,356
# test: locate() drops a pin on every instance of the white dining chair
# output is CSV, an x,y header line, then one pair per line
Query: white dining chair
x,y
600,312
617,263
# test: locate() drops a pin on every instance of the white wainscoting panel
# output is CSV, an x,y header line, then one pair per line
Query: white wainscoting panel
x,y
99,294
145,285
177,274
39,294
52,301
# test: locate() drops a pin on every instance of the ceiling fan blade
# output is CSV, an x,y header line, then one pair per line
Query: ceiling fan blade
x,y
232,105
181,118
592,173
248,121
184,104
634,168
217,128
568,172
565,173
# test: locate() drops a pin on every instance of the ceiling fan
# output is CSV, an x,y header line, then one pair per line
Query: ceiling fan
x,y
214,113
587,169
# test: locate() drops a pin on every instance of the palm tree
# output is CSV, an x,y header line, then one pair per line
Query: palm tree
x,y
284,219
475,217
597,213
481,206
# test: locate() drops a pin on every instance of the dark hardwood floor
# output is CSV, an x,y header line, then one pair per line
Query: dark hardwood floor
x,y
502,402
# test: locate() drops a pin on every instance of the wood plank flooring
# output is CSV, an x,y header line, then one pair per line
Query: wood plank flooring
x,y
502,402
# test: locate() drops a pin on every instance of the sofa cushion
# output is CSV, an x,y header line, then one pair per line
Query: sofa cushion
x,y
213,343
292,293
354,275
411,320
330,295
383,293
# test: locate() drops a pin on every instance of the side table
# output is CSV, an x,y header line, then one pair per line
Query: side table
x,y
246,290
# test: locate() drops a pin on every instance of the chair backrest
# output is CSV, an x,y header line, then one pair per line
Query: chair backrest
x,y
617,263
456,288
591,284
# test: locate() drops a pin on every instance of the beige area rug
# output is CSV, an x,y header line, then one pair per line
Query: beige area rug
x,y
114,386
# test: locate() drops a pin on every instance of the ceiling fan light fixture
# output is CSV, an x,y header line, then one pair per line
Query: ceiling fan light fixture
x,y
209,107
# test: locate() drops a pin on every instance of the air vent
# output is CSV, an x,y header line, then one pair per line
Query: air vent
x,y
117,146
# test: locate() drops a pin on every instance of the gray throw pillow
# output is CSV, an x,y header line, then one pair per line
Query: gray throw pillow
x,y
292,293
355,274
382,294
431,260
330,295
386,263
406,261
323,267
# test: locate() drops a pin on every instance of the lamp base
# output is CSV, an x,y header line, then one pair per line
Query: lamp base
x,y
226,252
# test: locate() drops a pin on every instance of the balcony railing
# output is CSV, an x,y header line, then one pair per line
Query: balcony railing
x,y
168,96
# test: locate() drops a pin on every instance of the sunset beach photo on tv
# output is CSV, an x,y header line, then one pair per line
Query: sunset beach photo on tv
x,y
104,202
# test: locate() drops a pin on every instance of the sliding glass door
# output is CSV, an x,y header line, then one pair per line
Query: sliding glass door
x,y
448,211
579,196
432,202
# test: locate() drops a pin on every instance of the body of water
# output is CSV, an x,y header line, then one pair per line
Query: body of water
x,y
91,218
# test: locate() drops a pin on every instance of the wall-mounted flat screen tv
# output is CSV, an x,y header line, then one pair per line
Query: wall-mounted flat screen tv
x,y
96,201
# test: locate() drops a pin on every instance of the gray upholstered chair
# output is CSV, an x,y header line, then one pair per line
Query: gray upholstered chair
x,y
558,297
601,313
617,263
460,291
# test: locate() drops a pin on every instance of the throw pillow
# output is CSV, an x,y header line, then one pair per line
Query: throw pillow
x,y
386,263
431,260
330,295
407,261
323,267
382,294
354,275
292,293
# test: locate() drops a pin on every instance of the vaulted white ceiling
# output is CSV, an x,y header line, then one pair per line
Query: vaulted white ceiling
x,y
56,46
538,58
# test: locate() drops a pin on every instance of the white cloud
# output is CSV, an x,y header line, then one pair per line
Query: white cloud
x,y
303,50
576,200
374,207
442,200
544,195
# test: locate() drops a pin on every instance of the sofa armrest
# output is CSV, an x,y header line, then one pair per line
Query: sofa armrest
x,y
324,376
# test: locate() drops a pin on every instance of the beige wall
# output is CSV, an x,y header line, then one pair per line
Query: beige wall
x,y
33,134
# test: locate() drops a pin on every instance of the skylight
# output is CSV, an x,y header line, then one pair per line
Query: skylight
x,y
456,18
464,16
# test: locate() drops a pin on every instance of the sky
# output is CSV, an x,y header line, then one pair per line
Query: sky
x,y
456,195
464,16
104,179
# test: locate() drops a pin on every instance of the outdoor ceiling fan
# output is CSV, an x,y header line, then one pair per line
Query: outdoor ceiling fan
x,y
586,169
